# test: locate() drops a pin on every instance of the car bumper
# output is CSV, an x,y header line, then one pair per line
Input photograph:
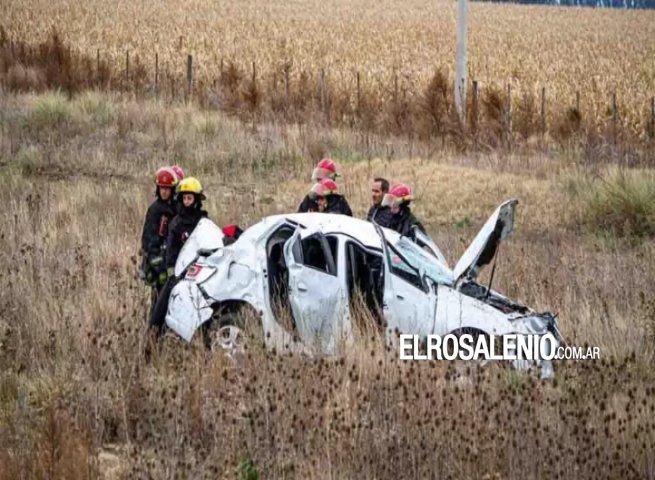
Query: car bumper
x,y
187,309
538,324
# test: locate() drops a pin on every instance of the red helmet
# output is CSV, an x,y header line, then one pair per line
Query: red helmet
x,y
325,187
326,168
178,172
397,195
166,177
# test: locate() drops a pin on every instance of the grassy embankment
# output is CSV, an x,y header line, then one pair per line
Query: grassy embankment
x,y
77,397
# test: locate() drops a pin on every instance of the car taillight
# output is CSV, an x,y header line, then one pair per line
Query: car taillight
x,y
193,271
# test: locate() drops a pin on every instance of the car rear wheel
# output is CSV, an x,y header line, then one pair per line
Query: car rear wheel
x,y
230,329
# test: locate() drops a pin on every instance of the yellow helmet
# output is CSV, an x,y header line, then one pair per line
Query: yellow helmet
x,y
190,185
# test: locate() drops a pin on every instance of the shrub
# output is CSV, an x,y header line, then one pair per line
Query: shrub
x,y
29,160
50,110
247,470
94,105
618,201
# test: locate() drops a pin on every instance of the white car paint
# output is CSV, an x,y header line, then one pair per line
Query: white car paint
x,y
207,235
322,319
496,229
435,299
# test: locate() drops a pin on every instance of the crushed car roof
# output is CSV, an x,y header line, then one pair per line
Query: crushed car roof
x,y
479,253
328,223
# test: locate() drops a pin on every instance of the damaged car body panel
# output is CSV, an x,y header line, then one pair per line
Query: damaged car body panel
x,y
206,238
408,302
187,309
321,320
236,273
313,265
485,245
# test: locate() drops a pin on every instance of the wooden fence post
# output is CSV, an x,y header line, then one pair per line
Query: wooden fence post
x,y
326,91
287,92
395,86
614,116
156,72
321,87
652,117
254,91
543,110
189,75
474,120
509,113
127,66
359,94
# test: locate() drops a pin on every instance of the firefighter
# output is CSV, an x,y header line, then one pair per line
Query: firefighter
x,y
328,199
155,228
326,168
178,171
402,220
189,212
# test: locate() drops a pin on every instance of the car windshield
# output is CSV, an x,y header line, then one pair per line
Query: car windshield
x,y
422,260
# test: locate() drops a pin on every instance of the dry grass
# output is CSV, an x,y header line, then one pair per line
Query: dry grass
x,y
396,49
77,396
617,201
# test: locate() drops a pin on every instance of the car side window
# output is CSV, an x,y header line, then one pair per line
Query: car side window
x,y
311,252
333,243
317,252
313,255
297,251
404,270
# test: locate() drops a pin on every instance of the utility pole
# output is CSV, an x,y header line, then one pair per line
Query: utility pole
x,y
461,59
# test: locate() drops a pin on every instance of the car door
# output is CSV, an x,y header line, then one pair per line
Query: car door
x,y
409,300
316,293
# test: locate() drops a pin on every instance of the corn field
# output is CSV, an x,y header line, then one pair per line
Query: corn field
x,y
378,65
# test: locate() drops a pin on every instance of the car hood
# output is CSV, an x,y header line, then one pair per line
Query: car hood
x,y
485,245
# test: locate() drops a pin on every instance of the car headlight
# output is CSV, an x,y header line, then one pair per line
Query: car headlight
x,y
536,324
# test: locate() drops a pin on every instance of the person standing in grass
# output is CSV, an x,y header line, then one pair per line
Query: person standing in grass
x,y
402,220
326,195
189,212
155,227
326,168
378,213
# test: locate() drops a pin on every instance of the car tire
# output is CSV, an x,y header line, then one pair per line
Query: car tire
x,y
228,330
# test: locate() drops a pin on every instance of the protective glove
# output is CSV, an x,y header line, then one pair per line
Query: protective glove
x,y
156,261
171,271
143,270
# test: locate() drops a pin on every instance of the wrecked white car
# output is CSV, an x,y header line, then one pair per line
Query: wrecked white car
x,y
313,265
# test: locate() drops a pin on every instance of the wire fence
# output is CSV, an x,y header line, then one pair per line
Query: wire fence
x,y
496,115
